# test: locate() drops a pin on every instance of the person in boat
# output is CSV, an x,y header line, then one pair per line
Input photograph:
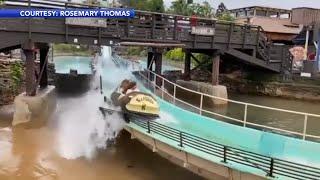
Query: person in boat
x,y
132,87
133,103
120,92
124,86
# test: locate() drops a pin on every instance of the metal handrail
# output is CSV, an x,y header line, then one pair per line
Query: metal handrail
x,y
244,121
272,167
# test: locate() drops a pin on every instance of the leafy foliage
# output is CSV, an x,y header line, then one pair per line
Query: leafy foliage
x,y
221,9
183,7
175,54
180,7
136,51
70,48
226,16
146,5
223,14
16,75
202,10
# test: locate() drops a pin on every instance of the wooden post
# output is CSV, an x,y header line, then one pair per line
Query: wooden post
x,y
212,38
158,62
153,27
175,37
44,66
215,68
149,60
305,55
244,35
257,42
187,64
28,50
231,27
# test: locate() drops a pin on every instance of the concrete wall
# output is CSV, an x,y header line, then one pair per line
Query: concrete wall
x,y
206,88
34,110
197,165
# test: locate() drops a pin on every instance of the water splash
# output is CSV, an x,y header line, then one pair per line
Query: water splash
x,y
82,128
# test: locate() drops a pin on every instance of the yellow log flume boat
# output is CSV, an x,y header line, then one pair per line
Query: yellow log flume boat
x,y
134,104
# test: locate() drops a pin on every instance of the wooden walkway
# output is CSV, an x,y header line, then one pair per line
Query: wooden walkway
x,y
246,43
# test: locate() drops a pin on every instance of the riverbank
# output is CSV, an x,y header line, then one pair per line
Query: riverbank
x,y
271,85
12,78
166,62
289,90
73,50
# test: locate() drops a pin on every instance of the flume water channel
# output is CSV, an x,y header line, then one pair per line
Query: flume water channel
x,y
77,143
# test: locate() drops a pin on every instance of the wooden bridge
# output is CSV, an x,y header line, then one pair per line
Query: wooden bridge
x,y
248,44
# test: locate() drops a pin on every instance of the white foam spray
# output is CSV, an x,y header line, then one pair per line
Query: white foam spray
x,y
82,129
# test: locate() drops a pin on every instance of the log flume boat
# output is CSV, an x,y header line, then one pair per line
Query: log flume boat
x,y
133,105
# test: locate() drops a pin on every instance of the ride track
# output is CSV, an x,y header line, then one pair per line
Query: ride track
x,y
246,149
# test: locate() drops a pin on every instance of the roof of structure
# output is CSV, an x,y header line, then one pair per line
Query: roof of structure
x,y
275,25
262,8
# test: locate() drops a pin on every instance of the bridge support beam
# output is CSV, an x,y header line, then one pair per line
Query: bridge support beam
x,y
43,66
155,57
28,50
157,53
150,60
215,68
187,65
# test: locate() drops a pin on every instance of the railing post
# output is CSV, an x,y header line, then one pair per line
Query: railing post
x,y
101,85
127,28
162,88
181,139
244,35
224,154
153,26
154,82
175,28
257,40
149,129
245,115
174,93
305,126
271,168
231,27
148,80
201,104
212,38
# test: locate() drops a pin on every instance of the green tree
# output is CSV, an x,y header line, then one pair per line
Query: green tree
x,y
155,6
223,14
201,10
226,16
185,8
180,7
175,54
16,76
145,5
221,9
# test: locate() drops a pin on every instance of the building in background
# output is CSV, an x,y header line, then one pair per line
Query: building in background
x,y
275,22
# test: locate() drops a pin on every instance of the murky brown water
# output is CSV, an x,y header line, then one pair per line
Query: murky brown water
x,y
61,149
